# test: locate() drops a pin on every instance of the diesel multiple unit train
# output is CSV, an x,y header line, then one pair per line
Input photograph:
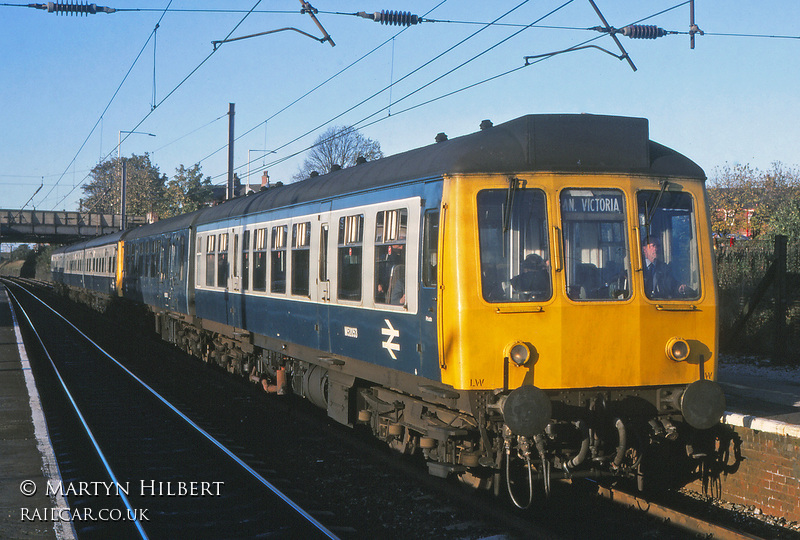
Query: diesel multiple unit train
x,y
535,298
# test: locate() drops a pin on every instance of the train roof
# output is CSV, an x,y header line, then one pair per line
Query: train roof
x,y
90,243
549,142
184,221
537,142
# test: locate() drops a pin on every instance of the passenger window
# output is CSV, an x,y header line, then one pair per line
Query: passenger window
x,y
278,262
181,258
323,253
211,242
246,260
301,251
222,261
515,253
351,235
390,257
153,255
199,260
260,261
596,257
235,256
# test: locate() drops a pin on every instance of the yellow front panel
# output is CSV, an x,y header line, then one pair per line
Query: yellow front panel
x,y
120,265
576,344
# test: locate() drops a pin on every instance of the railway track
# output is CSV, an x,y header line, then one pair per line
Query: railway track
x,y
354,482
153,472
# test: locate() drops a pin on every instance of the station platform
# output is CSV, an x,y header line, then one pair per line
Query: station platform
x,y
27,461
764,394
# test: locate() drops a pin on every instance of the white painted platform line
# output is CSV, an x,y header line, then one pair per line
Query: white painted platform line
x,y
64,529
761,424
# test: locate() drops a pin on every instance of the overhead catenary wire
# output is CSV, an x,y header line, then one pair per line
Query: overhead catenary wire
x,y
495,22
170,93
213,11
432,20
192,132
108,105
377,93
361,123
492,23
318,86
427,84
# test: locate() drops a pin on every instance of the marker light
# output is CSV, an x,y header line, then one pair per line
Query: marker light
x,y
677,349
518,352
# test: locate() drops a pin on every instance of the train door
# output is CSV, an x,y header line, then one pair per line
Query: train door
x,y
176,272
596,253
235,278
323,281
233,291
172,289
324,271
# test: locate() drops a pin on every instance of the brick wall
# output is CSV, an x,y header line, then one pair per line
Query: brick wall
x,y
758,465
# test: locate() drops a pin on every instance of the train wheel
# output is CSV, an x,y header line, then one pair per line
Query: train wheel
x,y
405,443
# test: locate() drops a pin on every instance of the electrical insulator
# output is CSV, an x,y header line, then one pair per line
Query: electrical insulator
x,y
70,8
643,31
397,18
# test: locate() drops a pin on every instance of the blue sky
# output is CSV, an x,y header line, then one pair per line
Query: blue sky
x,y
733,99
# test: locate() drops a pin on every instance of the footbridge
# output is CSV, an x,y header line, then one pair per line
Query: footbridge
x,y
52,227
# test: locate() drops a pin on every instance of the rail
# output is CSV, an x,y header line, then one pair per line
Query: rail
x,y
309,525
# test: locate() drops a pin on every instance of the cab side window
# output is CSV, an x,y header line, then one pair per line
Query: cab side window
x,y
430,249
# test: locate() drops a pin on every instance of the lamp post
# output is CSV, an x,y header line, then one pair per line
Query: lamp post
x,y
124,174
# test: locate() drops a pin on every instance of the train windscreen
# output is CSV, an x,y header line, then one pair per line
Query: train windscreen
x,y
596,257
514,246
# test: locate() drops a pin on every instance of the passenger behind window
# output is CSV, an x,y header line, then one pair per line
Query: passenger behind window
x,y
533,281
390,276
396,292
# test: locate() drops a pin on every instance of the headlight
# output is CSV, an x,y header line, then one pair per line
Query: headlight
x,y
518,352
677,349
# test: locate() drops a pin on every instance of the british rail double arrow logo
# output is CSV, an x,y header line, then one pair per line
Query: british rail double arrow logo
x,y
390,334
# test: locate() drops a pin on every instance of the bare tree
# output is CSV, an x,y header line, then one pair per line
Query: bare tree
x,y
338,146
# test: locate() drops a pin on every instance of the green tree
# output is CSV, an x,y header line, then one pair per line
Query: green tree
x,y
746,199
144,188
187,191
21,252
338,145
732,195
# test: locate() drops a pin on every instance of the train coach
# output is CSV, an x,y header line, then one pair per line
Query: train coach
x,y
535,297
